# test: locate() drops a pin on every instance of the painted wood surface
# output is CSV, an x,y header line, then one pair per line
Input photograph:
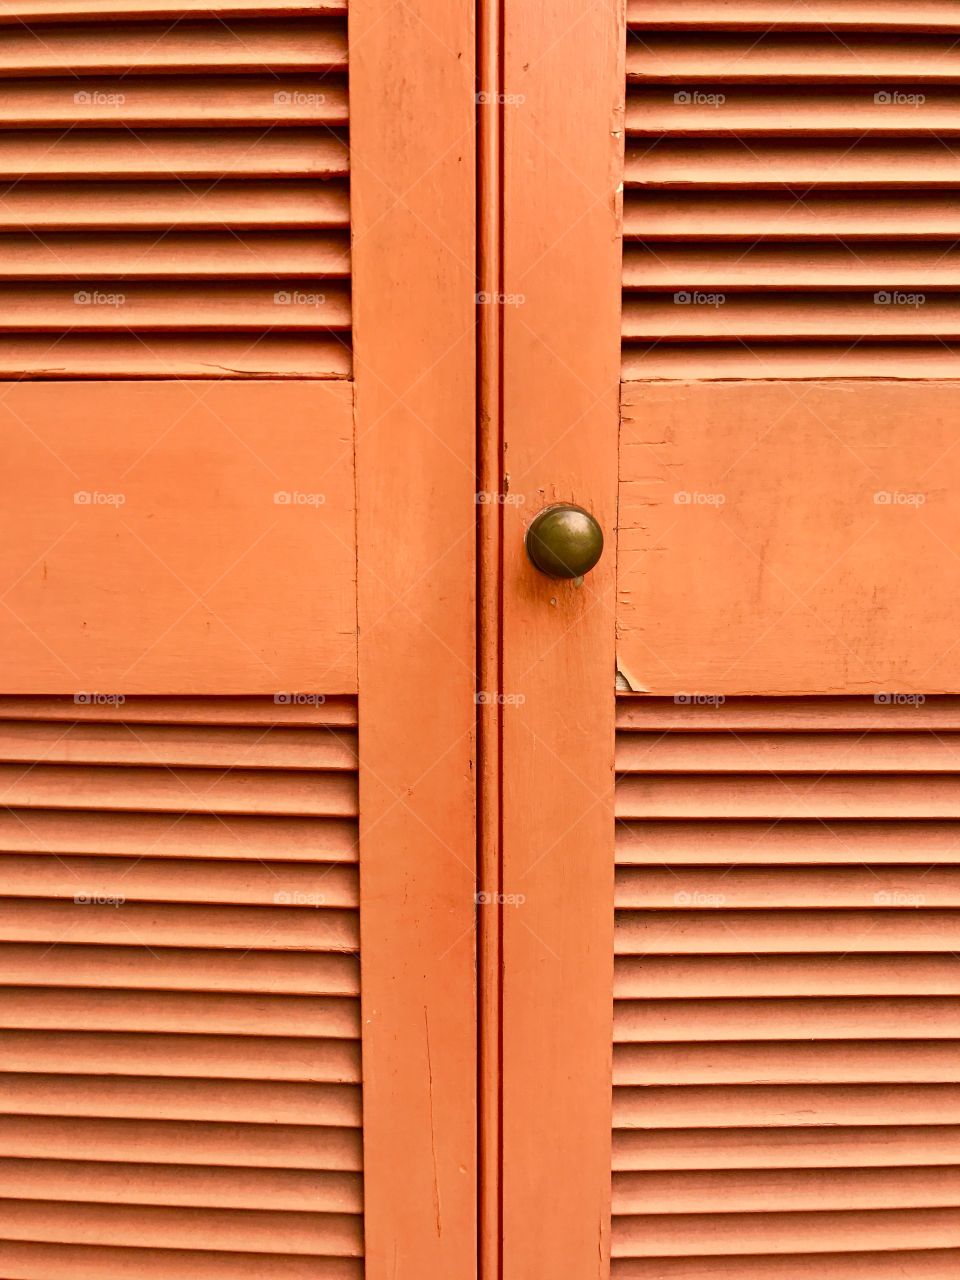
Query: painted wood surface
x,y
765,15
785,1052
562,142
38,11
414,225
489,626
780,160
184,1031
131,128
154,533
789,538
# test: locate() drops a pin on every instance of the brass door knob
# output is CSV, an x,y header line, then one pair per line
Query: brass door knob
x,y
564,541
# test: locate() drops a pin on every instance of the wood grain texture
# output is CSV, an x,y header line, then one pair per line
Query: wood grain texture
x,y
194,588
562,152
796,515
414,227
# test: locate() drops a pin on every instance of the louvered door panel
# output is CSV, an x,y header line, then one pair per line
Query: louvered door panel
x,y
173,191
789,175
786,1031
180,1058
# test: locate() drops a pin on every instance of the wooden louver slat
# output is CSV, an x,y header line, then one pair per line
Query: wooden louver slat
x,y
762,15
188,47
143,141
776,1190
859,1147
180,969
329,1235
771,267
99,1182
786,59
144,206
178,256
779,156
35,1261
165,1142
171,1098
149,103
179,1009
786,988
155,879
758,112
37,11
171,154
178,307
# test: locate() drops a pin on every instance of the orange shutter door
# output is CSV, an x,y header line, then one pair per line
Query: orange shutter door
x,y
734,918
236,920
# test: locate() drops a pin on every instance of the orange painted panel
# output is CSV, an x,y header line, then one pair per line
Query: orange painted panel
x,y
153,534
789,537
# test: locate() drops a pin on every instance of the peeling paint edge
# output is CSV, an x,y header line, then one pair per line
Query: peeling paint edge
x,y
626,683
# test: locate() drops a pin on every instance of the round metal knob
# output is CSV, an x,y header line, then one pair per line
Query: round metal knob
x,y
564,541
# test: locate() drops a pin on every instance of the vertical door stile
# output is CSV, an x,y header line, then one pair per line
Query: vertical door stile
x,y
413,219
562,109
